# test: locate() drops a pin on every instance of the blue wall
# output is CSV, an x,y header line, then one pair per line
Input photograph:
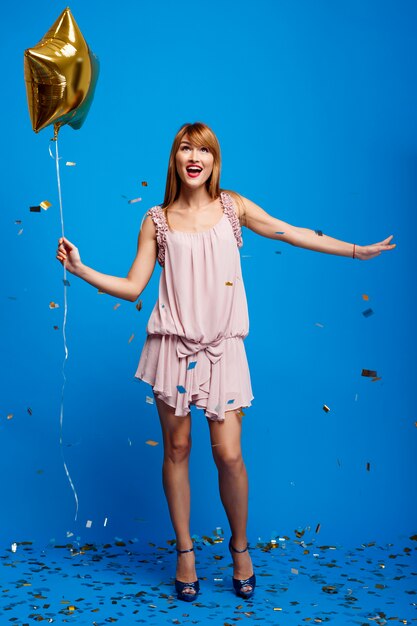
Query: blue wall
x,y
314,106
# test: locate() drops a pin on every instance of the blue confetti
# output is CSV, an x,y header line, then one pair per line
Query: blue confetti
x,y
279,233
181,389
230,401
192,365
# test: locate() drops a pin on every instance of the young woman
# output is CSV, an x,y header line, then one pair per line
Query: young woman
x,y
194,351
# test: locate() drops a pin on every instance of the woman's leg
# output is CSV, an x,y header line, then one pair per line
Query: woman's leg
x,y
176,432
233,484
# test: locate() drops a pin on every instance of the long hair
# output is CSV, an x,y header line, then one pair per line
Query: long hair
x,y
200,135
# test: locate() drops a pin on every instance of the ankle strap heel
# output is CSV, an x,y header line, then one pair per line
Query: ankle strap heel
x,y
181,586
239,584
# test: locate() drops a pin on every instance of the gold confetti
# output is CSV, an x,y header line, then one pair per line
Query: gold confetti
x,y
365,297
369,373
70,163
294,571
326,408
318,528
228,284
89,523
144,183
71,608
116,306
9,417
99,291
20,231
149,400
139,305
150,442
375,379
131,337
53,305
134,200
45,204
319,325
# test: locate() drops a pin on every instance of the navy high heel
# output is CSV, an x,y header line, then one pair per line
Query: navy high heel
x,y
180,586
239,584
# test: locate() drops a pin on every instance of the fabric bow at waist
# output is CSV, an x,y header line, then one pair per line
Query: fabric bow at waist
x,y
187,347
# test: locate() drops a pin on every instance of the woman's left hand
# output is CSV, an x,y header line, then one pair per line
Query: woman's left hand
x,y
368,252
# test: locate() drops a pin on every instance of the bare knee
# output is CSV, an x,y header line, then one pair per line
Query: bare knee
x,y
228,459
177,450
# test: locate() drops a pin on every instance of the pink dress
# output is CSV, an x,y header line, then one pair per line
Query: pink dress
x,y
194,352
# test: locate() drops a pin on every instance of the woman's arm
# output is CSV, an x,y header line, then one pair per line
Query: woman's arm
x,y
128,288
262,223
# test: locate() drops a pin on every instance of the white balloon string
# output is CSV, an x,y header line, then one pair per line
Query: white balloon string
x,y
63,327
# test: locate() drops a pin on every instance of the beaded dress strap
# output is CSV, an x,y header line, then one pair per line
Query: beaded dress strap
x,y
229,209
158,218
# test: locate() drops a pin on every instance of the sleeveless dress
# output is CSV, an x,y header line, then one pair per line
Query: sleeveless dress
x,y
194,351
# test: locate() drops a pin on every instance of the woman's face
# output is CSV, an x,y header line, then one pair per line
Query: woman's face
x,y
194,164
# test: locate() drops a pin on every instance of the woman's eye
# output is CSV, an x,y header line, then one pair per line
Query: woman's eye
x,y
205,149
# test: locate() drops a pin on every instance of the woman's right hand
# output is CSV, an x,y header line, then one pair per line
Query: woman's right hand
x,y
68,255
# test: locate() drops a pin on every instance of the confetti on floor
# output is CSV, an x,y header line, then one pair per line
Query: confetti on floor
x,y
126,581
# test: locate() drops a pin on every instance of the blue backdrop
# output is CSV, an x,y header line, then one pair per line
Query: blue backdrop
x,y
314,106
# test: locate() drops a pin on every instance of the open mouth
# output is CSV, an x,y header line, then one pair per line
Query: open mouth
x,y
193,171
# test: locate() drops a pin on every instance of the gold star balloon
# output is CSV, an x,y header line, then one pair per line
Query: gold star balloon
x,y
60,74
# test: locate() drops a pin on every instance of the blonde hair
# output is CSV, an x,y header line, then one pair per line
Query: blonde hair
x,y
199,134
